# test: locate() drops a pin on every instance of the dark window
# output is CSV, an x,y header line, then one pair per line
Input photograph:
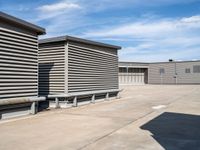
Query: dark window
x,y
187,70
162,70
196,69
122,70
131,70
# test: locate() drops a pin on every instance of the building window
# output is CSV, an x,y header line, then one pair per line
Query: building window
x,y
162,71
196,69
187,70
122,70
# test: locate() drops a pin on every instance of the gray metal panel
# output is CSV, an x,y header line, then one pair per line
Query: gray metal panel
x,y
173,69
167,78
91,68
18,64
52,68
187,78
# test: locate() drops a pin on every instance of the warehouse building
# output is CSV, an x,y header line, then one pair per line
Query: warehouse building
x,y
176,72
18,62
172,72
70,65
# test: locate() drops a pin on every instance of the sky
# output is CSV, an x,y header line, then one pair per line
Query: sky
x,y
147,30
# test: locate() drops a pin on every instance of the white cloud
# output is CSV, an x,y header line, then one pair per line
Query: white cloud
x,y
58,7
153,55
101,5
137,48
53,10
149,29
144,38
185,48
49,11
155,40
192,19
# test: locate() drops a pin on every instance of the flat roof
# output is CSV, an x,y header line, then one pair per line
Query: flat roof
x,y
184,61
133,64
121,63
129,62
71,38
20,22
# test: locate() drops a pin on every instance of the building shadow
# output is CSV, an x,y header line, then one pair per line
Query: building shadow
x,y
44,83
175,131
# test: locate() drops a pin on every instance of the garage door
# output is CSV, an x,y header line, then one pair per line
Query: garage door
x,y
132,76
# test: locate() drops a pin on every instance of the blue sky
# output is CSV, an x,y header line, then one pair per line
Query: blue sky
x,y
147,30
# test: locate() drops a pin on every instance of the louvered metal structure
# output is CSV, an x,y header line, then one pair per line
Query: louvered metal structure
x,y
18,58
69,65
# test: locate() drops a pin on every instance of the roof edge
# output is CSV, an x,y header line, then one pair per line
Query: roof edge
x,y
39,30
76,39
184,61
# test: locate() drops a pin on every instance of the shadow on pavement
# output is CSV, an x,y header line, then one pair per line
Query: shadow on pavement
x,y
175,131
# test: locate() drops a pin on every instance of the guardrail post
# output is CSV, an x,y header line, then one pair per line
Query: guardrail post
x,y
93,98
66,101
118,95
75,104
57,103
33,108
107,96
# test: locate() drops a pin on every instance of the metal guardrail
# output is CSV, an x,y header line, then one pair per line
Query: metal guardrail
x,y
32,100
35,100
78,94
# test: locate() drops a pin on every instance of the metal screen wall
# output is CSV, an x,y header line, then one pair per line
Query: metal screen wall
x,y
51,68
91,68
18,64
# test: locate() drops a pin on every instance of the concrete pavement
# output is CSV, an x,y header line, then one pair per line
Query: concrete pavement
x,y
146,117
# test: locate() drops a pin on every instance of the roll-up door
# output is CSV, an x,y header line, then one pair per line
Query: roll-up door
x,y
132,76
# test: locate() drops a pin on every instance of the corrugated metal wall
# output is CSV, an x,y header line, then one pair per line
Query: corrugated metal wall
x,y
155,77
91,68
18,63
173,69
187,78
51,68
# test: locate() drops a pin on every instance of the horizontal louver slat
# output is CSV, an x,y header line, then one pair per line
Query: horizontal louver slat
x,y
18,64
91,69
51,69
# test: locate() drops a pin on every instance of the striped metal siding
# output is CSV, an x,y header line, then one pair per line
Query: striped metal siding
x,y
132,76
166,78
18,64
51,68
187,78
91,68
